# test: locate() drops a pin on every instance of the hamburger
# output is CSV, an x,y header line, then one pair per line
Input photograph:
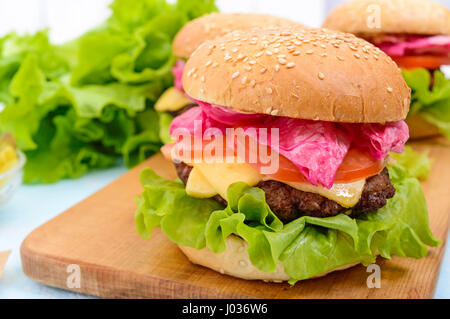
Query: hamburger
x,y
284,167
416,35
173,102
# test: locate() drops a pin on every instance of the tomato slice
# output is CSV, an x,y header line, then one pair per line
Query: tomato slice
x,y
358,164
194,149
425,61
287,171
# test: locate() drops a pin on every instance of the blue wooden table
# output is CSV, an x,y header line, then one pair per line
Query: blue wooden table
x,y
34,205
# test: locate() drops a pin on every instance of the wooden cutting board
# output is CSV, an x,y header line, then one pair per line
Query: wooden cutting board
x,y
99,236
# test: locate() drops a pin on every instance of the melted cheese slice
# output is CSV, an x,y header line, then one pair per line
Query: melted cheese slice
x,y
347,195
172,100
198,186
219,177
208,180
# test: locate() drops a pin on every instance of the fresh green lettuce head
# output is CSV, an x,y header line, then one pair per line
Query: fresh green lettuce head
x,y
430,100
88,104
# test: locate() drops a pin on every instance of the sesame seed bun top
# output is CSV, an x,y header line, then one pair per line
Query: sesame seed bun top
x,y
301,73
394,16
211,26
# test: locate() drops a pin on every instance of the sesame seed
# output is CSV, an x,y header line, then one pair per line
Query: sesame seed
x,y
276,50
253,83
390,90
215,64
340,58
309,52
263,70
269,52
227,57
282,61
290,65
235,75
296,53
259,54
252,62
269,110
249,68
277,67
202,78
274,112
269,90
321,76
234,50
244,80
240,56
356,55
324,55
208,63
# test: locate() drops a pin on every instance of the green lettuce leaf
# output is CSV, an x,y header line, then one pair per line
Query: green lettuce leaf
x,y
307,246
411,164
433,104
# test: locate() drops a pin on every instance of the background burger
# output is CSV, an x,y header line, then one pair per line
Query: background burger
x,y
416,35
173,102
334,200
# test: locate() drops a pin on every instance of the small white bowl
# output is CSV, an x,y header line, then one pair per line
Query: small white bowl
x,y
11,180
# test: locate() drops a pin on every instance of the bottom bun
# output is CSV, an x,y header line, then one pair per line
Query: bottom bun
x,y
234,261
421,128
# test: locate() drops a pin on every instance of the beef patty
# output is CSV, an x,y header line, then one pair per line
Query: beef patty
x,y
289,203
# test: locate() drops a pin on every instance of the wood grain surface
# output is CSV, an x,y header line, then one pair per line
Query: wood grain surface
x,y
99,236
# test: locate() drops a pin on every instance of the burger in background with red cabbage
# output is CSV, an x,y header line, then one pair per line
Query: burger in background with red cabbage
x,y
328,116
416,35
173,101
